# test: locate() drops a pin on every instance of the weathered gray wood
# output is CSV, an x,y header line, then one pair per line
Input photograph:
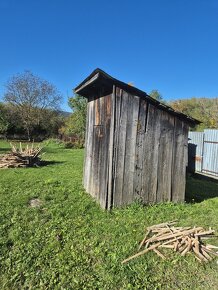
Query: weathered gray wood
x,y
130,144
133,150
185,160
111,152
104,149
150,155
94,156
179,161
85,162
89,149
139,151
100,112
120,132
100,174
165,157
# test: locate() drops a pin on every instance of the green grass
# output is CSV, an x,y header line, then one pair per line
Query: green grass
x,y
70,243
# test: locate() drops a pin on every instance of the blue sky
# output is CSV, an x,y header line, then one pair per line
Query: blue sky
x,y
169,45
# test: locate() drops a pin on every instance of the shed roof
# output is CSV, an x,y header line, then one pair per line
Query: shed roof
x,y
99,79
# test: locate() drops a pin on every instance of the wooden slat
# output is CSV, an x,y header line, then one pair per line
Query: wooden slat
x,y
165,158
85,163
95,153
120,132
111,157
104,151
139,150
179,161
89,149
130,144
150,155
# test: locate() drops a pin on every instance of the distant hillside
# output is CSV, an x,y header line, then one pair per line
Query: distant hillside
x,y
64,113
202,109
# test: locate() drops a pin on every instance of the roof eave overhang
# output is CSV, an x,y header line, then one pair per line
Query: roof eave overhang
x,y
99,78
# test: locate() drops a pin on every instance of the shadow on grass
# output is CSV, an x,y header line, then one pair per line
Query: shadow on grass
x,y
52,162
200,188
4,150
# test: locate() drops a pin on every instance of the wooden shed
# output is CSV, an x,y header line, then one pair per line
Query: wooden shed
x,y
135,148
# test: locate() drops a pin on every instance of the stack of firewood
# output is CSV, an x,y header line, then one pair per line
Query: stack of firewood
x,y
183,240
21,157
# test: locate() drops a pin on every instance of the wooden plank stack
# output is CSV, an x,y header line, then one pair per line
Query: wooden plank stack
x,y
183,240
21,157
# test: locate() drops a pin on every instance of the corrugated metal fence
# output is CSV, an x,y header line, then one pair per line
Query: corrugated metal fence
x,y
203,151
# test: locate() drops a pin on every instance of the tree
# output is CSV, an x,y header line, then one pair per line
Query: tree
x,y
202,109
3,120
32,97
155,94
75,125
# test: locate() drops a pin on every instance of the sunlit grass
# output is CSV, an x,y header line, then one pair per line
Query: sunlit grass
x,y
70,243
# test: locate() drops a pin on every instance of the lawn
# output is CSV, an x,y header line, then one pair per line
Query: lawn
x,y
70,243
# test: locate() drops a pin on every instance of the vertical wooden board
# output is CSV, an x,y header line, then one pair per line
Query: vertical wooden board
x,y
111,152
165,157
150,155
97,151
179,161
120,147
139,150
185,160
100,130
89,146
104,150
85,163
186,132
129,163
95,154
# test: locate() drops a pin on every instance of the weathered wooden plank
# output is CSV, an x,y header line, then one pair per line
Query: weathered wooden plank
x,y
111,152
150,155
120,147
90,148
104,150
129,162
100,174
95,153
165,157
179,161
139,151
85,163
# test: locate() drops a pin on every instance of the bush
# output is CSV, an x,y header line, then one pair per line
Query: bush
x,y
68,145
73,144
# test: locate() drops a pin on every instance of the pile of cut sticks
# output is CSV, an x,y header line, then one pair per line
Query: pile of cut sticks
x,y
183,240
21,157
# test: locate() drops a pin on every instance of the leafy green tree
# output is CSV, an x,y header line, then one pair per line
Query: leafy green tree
x,y
4,124
155,94
202,109
75,125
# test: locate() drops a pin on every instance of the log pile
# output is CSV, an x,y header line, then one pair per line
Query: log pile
x,y
183,240
21,157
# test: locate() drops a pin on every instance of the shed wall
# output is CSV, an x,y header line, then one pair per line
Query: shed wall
x,y
96,162
150,152
133,151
